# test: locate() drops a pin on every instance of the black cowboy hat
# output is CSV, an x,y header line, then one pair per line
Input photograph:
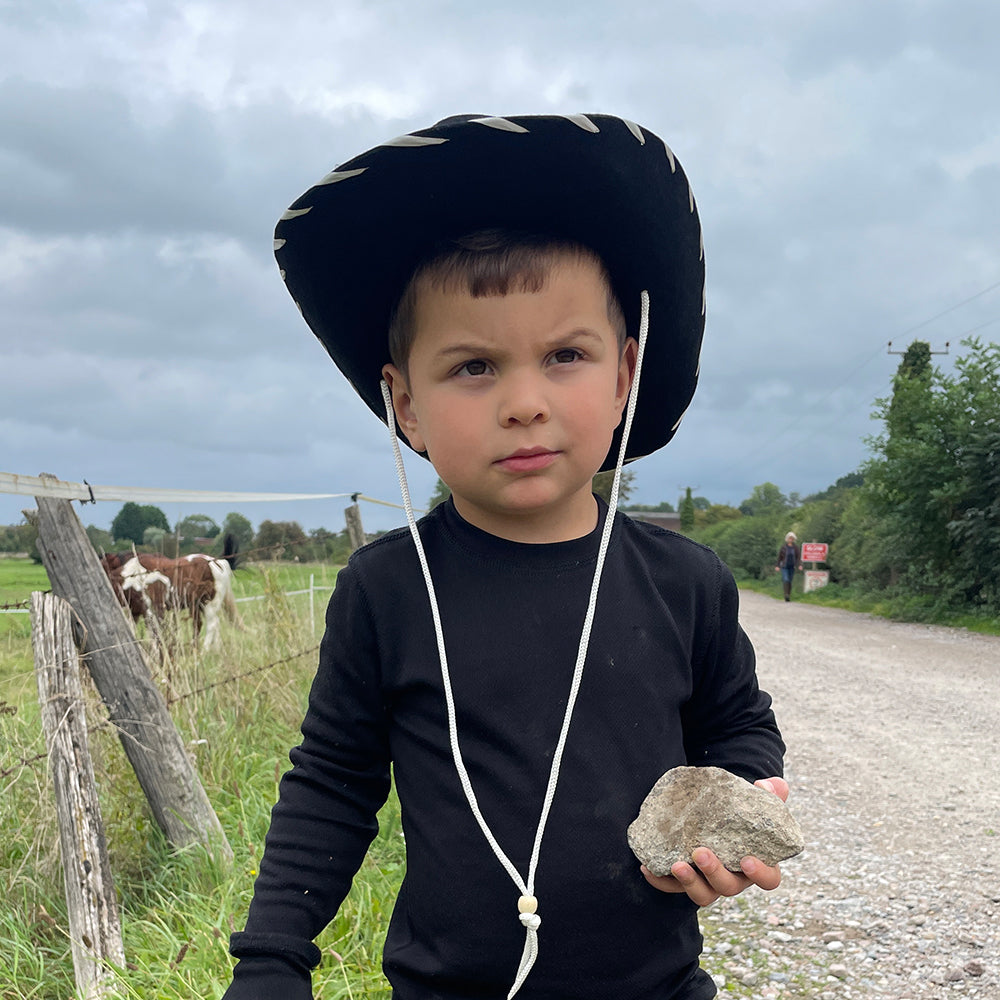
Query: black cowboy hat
x,y
349,245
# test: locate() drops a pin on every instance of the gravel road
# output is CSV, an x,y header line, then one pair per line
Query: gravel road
x,y
893,734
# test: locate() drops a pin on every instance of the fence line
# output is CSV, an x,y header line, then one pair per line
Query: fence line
x,y
16,609
39,486
246,673
21,761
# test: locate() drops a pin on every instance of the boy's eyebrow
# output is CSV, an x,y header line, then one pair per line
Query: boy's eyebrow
x,y
472,348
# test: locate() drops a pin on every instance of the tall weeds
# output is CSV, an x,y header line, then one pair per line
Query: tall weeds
x,y
238,711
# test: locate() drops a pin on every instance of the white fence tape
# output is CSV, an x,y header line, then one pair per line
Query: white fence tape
x,y
36,486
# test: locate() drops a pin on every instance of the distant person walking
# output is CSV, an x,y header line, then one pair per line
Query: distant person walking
x,y
788,562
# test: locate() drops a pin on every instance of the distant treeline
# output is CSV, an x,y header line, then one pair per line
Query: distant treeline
x,y
146,527
919,523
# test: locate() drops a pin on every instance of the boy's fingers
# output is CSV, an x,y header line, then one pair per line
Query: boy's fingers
x,y
692,882
760,874
708,879
722,881
665,883
776,785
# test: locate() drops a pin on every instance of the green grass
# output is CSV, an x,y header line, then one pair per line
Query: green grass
x,y
179,908
19,577
897,607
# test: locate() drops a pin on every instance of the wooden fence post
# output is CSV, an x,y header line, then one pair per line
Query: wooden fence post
x,y
355,530
135,706
94,927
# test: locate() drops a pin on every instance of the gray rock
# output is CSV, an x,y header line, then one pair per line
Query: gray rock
x,y
692,807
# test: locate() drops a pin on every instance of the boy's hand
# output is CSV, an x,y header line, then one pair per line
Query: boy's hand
x,y
710,880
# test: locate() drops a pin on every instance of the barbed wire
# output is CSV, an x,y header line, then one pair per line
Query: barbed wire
x,y
23,759
243,676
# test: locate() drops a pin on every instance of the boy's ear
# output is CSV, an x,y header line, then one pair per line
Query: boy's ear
x,y
626,372
402,404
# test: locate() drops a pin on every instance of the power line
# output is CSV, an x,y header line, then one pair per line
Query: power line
x,y
950,309
816,402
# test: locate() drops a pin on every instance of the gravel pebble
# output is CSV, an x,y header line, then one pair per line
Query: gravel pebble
x,y
892,751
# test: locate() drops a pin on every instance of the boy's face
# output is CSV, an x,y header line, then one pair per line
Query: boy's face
x,y
515,399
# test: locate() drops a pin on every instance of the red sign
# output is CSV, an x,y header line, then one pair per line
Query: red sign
x,y
814,551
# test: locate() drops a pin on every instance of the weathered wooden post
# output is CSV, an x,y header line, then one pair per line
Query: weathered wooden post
x,y
355,531
135,706
94,927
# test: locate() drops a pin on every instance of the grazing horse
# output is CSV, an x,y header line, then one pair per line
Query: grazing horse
x,y
143,594
222,599
148,585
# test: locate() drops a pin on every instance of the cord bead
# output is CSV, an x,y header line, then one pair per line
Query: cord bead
x,y
527,904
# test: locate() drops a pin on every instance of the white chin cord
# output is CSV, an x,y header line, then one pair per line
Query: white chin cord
x,y
527,904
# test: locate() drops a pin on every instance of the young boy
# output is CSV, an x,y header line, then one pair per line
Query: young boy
x,y
527,660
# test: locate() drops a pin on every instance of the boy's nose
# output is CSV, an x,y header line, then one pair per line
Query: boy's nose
x,y
523,402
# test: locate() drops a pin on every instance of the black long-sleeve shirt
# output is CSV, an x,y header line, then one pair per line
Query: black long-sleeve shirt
x,y
669,680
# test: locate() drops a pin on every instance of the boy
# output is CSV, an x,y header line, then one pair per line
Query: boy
x,y
527,660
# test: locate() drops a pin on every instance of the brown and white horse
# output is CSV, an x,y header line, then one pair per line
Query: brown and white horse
x,y
149,585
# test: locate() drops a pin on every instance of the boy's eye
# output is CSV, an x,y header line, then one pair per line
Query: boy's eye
x,y
474,367
566,355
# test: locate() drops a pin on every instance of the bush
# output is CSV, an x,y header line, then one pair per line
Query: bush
x,y
747,546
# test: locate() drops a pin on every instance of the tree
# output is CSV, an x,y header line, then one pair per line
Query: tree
x,y
240,528
100,539
196,526
933,485
719,512
843,484
328,545
663,507
18,537
765,499
916,361
152,538
281,540
687,509
132,520
603,481
440,494
748,547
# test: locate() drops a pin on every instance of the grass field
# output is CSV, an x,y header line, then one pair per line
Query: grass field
x,y
178,909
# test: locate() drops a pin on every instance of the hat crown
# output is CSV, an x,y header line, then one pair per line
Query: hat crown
x,y
347,247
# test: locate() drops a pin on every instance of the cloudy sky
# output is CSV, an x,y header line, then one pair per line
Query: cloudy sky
x,y
845,156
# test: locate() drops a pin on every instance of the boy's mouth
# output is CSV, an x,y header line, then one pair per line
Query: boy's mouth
x,y
527,460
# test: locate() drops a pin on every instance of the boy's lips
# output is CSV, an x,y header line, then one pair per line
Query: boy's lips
x,y
527,460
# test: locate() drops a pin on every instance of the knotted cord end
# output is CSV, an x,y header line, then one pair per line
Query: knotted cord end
x,y
527,909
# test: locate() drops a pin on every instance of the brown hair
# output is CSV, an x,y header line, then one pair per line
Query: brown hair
x,y
491,262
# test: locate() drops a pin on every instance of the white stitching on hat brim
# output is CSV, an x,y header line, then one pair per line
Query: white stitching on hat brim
x,y
582,121
294,213
635,130
413,141
503,124
336,176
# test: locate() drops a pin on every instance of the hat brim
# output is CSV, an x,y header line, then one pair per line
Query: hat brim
x,y
348,246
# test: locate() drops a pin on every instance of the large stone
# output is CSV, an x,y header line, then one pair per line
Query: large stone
x,y
692,807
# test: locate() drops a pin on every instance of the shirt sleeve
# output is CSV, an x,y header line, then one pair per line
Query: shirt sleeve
x,y
728,721
325,817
